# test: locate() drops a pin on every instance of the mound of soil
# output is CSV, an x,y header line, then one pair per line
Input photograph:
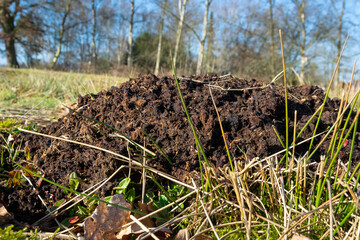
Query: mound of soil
x,y
248,109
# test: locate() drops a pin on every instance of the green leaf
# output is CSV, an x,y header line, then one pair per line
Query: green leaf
x,y
74,181
59,203
108,198
122,186
82,210
130,194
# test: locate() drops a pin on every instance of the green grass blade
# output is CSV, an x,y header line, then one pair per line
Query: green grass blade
x,y
197,141
158,147
79,193
109,126
327,92
286,105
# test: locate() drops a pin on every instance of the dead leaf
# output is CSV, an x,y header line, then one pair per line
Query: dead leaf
x,y
299,237
107,220
148,222
183,234
135,229
74,219
5,216
203,237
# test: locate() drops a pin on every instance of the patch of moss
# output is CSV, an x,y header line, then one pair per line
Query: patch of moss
x,y
7,123
9,234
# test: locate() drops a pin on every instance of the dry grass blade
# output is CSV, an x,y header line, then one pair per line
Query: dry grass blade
x,y
120,157
143,227
79,143
222,130
78,198
206,213
138,145
331,211
293,150
143,177
304,216
43,202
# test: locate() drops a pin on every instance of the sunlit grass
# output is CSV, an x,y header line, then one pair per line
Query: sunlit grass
x,y
29,88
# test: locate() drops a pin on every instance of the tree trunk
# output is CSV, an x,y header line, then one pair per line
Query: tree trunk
x,y
272,37
203,37
61,34
93,44
339,41
11,53
182,6
303,59
130,40
210,44
157,65
7,22
120,50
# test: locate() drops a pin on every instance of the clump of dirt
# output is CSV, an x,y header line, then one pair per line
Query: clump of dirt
x,y
248,109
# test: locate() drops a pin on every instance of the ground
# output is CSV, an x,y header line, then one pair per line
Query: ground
x,y
250,112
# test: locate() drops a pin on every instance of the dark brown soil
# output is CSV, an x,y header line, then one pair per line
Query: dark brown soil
x,y
153,105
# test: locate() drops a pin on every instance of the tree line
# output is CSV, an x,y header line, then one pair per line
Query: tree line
x,y
202,36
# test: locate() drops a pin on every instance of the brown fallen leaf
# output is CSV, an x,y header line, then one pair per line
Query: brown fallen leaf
x,y
184,234
5,216
106,221
299,237
149,223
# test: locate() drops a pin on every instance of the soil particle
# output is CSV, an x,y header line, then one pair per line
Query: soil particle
x,y
248,109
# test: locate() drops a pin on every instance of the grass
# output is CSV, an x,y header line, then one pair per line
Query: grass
x,y
258,199
33,88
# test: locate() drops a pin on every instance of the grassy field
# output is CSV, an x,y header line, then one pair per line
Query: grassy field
x,y
35,92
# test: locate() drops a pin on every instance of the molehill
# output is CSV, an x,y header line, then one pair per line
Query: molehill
x,y
248,110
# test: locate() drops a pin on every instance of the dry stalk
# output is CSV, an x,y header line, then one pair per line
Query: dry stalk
x,y
143,176
130,162
358,230
331,211
306,215
43,202
143,227
291,166
206,213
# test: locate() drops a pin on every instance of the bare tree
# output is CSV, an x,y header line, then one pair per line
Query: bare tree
x,y
312,28
20,24
182,6
339,38
272,35
93,43
157,65
61,33
8,34
203,37
302,47
130,39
